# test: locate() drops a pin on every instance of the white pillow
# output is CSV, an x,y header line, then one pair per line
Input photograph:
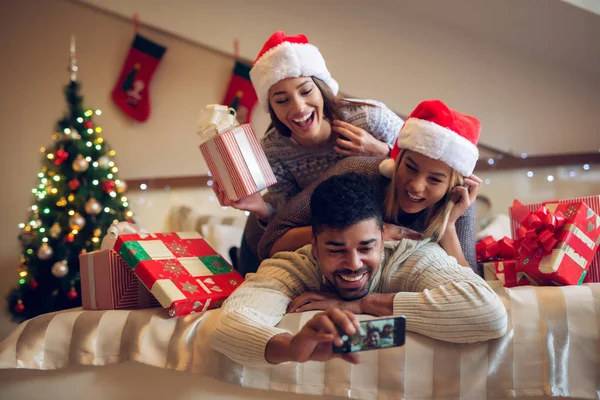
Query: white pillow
x,y
223,237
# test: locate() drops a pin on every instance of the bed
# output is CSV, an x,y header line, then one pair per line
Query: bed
x,y
551,349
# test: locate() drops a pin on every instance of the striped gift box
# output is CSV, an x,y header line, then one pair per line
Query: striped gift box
x,y
593,202
183,272
238,163
107,283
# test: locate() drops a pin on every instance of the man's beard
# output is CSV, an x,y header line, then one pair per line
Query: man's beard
x,y
347,295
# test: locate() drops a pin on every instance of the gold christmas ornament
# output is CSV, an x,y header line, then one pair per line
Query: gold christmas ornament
x,y
55,230
93,207
80,164
121,187
60,269
104,162
45,252
77,221
97,232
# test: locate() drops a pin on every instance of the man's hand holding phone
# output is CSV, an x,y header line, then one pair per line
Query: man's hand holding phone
x,y
374,334
316,339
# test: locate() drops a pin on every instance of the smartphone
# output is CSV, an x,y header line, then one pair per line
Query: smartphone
x,y
374,334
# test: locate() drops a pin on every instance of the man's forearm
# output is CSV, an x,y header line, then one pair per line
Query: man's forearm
x,y
277,350
378,304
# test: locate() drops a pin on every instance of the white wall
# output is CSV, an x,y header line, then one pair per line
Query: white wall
x,y
402,52
502,187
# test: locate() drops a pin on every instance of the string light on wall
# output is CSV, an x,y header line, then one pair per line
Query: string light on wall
x,y
586,167
550,178
530,174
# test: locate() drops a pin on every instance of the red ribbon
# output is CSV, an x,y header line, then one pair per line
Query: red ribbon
x,y
537,234
489,249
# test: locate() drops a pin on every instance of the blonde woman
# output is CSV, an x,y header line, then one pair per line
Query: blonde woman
x,y
428,183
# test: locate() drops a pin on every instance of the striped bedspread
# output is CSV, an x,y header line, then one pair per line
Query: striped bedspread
x,y
552,348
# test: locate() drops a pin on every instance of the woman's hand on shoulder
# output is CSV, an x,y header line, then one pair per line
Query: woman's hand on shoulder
x,y
355,141
465,196
393,232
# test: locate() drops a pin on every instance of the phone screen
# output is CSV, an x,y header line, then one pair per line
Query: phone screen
x,y
375,334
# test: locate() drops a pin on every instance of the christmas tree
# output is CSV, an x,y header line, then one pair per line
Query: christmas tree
x,y
78,197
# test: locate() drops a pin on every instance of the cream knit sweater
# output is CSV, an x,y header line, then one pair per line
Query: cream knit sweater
x,y
439,298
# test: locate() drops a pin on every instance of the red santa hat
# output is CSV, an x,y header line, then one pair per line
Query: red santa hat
x,y
287,57
438,132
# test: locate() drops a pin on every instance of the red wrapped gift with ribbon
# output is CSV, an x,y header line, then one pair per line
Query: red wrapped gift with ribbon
x,y
557,242
500,261
593,202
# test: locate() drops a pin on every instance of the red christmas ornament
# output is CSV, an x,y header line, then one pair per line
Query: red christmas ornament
x,y
108,186
74,184
72,295
70,238
33,285
88,124
19,307
60,156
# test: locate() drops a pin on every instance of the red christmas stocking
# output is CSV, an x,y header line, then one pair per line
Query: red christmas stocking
x,y
131,92
240,93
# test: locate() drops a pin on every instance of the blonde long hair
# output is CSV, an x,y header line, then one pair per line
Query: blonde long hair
x,y
437,214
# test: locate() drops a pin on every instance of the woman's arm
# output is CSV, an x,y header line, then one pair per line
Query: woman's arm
x,y
450,242
292,240
464,229
384,124
370,129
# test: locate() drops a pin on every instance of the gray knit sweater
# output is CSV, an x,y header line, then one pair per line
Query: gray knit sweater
x,y
296,167
296,213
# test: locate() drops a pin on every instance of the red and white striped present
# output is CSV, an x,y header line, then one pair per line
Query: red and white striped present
x,y
107,283
238,163
593,202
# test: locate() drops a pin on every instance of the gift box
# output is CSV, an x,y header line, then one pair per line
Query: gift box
x,y
500,261
593,202
183,272
557,242
505,271
107,283
233,154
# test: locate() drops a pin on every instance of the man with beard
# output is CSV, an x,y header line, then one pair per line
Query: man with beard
x,y
373,339
349,270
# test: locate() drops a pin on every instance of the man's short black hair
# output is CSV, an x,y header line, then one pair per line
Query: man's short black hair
x,y
344,200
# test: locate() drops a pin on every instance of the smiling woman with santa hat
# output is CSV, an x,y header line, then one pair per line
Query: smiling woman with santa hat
x,y
427,181
311,128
